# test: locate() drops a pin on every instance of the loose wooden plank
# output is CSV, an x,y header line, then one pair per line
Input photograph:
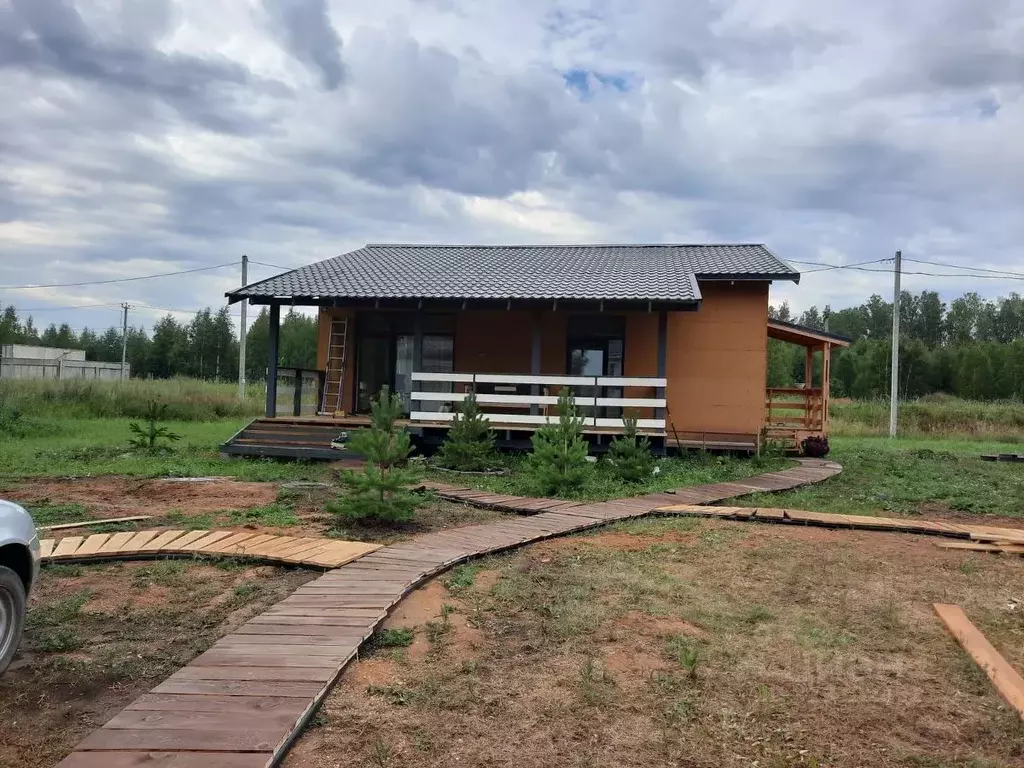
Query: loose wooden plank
x,y
275,688
1004,677
149,759
66,547
92,544
129,719
115,543
161,540
183,702
255,739
46,548
86,523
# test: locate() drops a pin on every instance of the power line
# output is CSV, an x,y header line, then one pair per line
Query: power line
x,y
272,266
118,279
958,266
76,306
826,267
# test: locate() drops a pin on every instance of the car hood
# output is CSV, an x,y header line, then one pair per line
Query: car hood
x,y
16,524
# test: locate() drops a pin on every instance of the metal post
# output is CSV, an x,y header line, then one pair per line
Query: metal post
x,y
124,339
241,333
894,383
273,336
297,395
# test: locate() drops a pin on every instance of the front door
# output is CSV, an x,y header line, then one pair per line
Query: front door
x,y
375,369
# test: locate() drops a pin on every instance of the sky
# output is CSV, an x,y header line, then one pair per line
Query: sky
x,y
150,136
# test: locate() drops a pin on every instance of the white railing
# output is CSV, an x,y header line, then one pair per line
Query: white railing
x,y
539,405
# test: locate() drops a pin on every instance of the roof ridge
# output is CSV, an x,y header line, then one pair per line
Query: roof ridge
x,y
564,245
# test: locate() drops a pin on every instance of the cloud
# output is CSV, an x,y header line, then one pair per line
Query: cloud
x,y
184,133
304,27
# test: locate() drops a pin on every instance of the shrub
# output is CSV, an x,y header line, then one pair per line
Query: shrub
x,y
558,463
630,457
381,491
469,445
147,438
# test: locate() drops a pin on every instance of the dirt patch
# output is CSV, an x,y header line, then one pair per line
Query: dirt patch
x,y
98,636
112,496
746,644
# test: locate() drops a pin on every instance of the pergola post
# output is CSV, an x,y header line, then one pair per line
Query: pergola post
x,y
826,384
808,384
272,345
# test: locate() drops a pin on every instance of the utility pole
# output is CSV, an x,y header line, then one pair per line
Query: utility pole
x,y
124,338
894,383
241,335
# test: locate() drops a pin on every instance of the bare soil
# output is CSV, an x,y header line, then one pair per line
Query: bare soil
x,y
691,643
98,636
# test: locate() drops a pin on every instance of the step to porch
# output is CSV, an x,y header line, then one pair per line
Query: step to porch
x,y
289,439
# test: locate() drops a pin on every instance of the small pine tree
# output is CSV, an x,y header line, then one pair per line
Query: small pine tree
x,y
630,457
469,445
558,463
382,490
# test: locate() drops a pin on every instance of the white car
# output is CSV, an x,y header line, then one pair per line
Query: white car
x,y
19,567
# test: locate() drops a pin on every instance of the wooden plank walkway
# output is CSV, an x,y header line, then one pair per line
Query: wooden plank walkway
x,y
313,551
241,703
981,538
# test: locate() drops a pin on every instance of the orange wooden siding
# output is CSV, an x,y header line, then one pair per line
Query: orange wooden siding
x,y
716,362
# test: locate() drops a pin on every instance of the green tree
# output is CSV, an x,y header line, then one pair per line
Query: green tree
x,y
382,491
469,444
630,456
558,463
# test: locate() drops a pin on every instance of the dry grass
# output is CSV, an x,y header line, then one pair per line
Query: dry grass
x,y
98,636
692,643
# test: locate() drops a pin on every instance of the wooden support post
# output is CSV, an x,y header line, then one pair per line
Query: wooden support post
x,y
535,349
661,392
808,385
826,383
272,343
297,395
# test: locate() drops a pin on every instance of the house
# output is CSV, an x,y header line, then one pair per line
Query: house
x,y
26,361
675,335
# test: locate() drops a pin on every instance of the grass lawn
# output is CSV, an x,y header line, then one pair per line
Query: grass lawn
x,y
687,643
930,477
98,636
601,484
77,447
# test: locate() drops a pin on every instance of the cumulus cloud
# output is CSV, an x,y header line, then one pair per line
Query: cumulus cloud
x,y
182,133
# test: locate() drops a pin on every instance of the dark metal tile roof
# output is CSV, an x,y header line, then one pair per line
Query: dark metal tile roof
x,y
665,273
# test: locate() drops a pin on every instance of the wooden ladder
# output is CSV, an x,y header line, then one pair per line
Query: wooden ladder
x,y
334,384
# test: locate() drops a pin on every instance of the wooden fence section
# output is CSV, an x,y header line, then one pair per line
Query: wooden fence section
x,y
508,407
316,552
242,703
795,408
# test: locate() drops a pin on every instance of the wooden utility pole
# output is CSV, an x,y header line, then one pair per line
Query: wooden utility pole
x,y
894,383
241,335
124,338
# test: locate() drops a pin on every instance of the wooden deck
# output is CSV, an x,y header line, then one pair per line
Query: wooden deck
x,y
242,703
317,552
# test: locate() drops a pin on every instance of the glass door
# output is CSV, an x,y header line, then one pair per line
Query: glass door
x,y
374,369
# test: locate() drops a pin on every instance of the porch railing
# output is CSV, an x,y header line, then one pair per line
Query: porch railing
x,y
508,406
795,408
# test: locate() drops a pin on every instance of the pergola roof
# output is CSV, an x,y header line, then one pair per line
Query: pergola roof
x,y
804,335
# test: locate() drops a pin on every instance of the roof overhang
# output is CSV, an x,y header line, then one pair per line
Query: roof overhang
x,y
454,304
804,335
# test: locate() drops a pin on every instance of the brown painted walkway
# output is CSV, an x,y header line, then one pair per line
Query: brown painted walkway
x,y
240,704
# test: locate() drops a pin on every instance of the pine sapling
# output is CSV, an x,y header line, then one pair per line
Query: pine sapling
x,y
558,463
147,437
469,445
382,490
629,455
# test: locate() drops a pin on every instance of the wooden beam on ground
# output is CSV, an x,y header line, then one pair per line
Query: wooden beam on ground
x,y
85,523
1004,677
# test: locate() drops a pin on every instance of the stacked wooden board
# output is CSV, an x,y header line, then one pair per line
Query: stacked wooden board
x,y
313,551
979,538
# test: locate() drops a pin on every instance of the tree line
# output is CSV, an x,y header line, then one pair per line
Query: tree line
x,y
972,347
205,347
